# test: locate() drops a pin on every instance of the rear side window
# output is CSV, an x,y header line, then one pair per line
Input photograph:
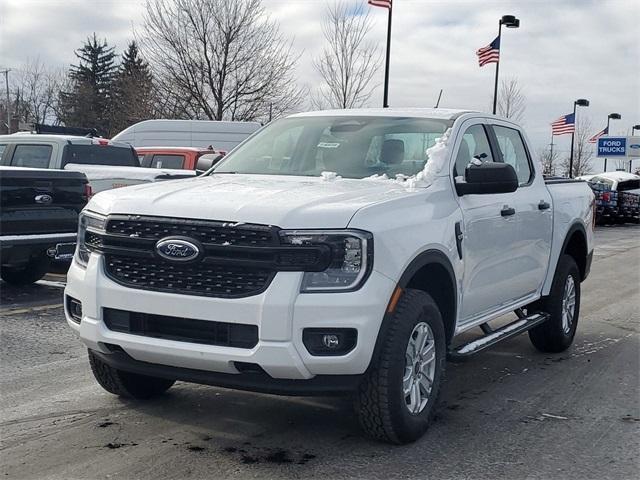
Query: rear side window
x,y
100,155
32,156
2,149
167,161
474,144
514,152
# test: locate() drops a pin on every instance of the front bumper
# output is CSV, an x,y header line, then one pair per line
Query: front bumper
x,y
281,313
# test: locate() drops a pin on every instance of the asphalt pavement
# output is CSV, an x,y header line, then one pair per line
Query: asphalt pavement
x,y
508,413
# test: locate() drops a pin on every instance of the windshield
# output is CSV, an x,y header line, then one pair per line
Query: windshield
x,y
100,155
352,147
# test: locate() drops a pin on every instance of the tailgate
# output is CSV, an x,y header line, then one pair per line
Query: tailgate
x,y
40,201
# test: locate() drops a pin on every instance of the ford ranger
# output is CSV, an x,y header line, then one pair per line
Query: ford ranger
x,y
334,252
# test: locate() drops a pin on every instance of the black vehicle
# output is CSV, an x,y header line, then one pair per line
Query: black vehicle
x,y
38,220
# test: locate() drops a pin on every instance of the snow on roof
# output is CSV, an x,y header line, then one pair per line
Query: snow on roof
x,y
618,176
439,113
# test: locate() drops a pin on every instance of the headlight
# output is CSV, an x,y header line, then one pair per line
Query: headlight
x,y
88,223
351,258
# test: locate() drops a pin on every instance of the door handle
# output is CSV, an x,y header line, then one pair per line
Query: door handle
x,y
544,205
507,211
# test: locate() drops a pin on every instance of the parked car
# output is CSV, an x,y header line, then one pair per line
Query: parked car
x,y
38,219
106,164
331,254
617,196
188,158
606,203
187,133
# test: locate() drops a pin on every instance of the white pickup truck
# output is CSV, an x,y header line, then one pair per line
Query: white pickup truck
x,y
337,251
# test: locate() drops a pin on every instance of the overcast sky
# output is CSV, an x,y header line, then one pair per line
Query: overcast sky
x,y
563,50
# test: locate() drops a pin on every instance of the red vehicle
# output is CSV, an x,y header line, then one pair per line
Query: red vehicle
x,y
186,158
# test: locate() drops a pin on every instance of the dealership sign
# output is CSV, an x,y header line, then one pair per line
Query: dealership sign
x,y
612,147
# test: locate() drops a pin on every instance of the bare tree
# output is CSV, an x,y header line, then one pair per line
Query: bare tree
x,y
512,102
582,150
348,63
549,160
219,59
35,92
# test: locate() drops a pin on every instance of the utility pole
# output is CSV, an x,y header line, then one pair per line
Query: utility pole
x,y
6,82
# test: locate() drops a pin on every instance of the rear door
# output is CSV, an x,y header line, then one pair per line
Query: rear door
x,y
533,212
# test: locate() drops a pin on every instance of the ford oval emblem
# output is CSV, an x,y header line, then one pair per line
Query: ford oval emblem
x,y
177,249
43,199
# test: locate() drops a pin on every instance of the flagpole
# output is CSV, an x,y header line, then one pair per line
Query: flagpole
x,y
573,136
495,87
385,101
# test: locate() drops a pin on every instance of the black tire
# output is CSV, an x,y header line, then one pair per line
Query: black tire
x,y
551,336
380,403
126,384
34,270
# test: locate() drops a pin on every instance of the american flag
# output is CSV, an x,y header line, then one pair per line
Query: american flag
x,y
604,131
490,53
565,124
381,3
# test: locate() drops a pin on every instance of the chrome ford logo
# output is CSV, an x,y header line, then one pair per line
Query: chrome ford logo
x,y
177,250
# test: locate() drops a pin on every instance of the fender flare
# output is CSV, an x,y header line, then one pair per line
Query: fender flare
x,y
575,227
428,257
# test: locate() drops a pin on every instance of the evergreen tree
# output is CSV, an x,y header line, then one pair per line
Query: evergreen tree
x,y
133,90
89,102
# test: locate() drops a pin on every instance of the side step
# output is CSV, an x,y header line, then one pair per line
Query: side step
x,y
510,330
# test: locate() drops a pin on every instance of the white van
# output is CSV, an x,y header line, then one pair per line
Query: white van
x,y
187,133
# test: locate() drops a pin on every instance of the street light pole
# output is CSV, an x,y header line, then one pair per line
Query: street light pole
x,y
6,80
385,100
508,21
614,116
582,102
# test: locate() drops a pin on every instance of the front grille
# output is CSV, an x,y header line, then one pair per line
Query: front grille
x,y
202,278
181,329
208,232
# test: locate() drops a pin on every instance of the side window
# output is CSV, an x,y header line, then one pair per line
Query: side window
x,y
474,144
167,161
33,156
513,152
2,148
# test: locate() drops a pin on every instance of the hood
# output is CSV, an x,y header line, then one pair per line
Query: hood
x,y
283,201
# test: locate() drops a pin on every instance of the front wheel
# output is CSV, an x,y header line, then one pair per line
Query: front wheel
x,y
563,306
397,398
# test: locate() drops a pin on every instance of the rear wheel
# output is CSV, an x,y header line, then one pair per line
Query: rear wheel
x,y
126,384
563,306
397,397
34,270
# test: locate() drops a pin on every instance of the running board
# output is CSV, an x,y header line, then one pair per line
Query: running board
x,y
521,325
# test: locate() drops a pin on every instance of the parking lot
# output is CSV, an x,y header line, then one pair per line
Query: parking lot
x,y
509,413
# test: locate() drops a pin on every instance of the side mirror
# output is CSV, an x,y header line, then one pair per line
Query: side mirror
x,y
488,177
206,161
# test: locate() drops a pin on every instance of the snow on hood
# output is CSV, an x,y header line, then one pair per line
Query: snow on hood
x,y
109,172
285,201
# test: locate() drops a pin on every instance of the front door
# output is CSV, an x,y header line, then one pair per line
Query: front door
x,y
490,229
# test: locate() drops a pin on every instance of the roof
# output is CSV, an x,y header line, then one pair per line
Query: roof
x,y
22,137
174,149
437,113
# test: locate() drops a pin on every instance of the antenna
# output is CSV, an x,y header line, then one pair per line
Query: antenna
x,y
439,97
